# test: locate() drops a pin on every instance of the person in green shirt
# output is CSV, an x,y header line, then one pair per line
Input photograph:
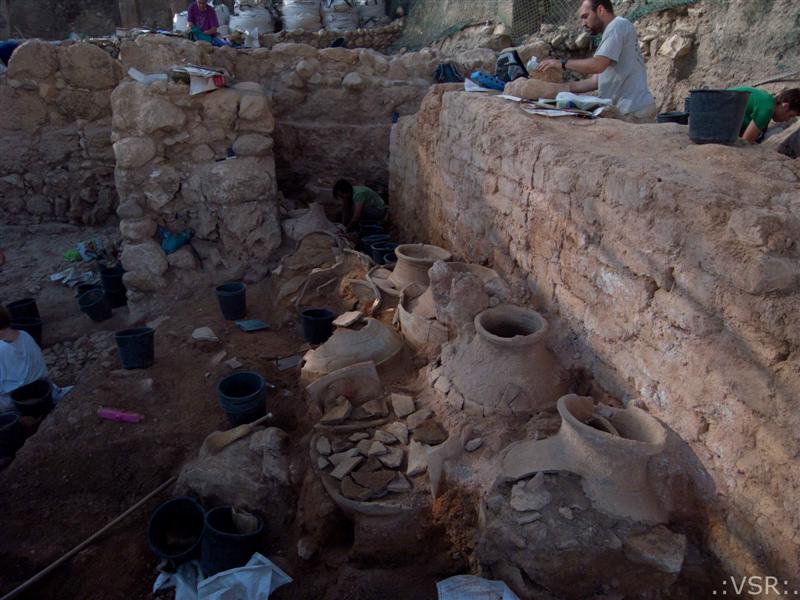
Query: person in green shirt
x,y
762,108
358,202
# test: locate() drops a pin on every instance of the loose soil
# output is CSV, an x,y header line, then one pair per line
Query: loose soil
x,y
77,472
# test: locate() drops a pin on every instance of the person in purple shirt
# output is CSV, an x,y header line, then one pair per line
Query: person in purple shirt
x,y
203,21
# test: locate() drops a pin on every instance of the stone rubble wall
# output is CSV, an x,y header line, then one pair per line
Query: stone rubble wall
x,y
333,107
57,163
668,271
171,171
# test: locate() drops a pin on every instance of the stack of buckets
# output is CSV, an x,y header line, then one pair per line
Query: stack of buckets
x,y
97,301
374,242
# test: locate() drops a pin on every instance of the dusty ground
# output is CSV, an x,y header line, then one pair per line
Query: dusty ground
x,y
78,471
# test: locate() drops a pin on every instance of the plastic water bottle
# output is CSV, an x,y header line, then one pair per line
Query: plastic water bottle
x,y
533,64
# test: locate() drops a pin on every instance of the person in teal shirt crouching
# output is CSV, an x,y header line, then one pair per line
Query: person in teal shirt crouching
x,y
358,202
763,107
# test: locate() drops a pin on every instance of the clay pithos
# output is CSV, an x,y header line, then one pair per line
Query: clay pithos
x,y
506,367
612,457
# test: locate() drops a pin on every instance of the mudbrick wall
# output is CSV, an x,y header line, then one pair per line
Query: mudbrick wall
x,y
57,162
668,271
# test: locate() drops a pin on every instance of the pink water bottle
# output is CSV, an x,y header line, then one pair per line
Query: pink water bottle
x,y
114,414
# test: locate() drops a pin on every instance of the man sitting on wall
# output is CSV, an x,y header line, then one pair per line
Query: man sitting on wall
x,y
203,21
21,360
359,202
763,107
616,70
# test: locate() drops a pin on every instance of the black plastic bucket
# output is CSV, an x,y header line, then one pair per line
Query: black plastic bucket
x,y
34,399
112,279
224,545
95,305
136,347
317,324
243,397
716,116
12,435
32,326
81,289
389,259
366,242
682,118
175,530
23,309
232,300
381,249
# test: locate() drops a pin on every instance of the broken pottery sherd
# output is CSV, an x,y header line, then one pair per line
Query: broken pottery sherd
x,y
402,405
416,419
430,433
337,414
393,458
398,430
376,342
346,466
417,459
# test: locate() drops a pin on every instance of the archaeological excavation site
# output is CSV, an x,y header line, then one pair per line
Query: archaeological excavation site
x,y
399,299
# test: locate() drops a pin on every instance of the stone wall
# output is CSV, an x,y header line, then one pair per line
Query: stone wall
x,y
172,171
668,271
333,107
57,163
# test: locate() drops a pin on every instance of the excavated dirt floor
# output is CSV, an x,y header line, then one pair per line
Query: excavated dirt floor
x,y
77,472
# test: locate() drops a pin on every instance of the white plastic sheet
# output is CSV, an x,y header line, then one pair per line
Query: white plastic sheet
x,y
254,581
470,587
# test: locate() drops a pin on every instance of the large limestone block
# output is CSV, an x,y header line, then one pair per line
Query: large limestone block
x,y
134,152
34,59
137,230
253,227
87,66
145,264
253,105
295,50
156,53
252,144
221,106
161,186
83,104
245,179
136,107
21,110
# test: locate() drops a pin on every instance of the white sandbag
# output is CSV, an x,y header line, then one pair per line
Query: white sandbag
x,y
223,14
301,14
372,13
244,4
339,15
180,22
253,18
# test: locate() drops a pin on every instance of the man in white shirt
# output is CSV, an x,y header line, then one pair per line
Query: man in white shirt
x,y
617,69
21,360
